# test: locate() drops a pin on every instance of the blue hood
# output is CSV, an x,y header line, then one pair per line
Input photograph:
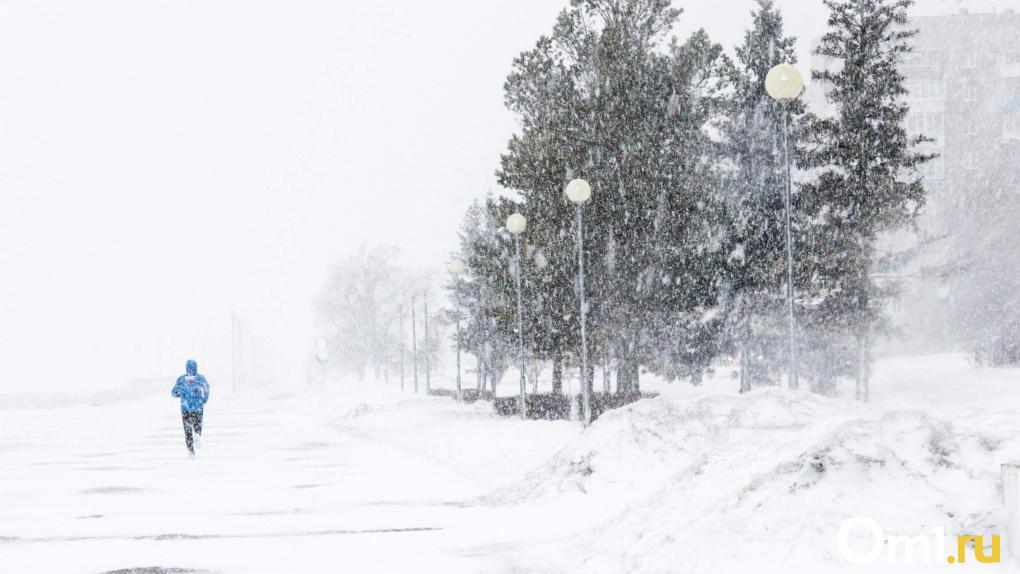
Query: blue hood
x,y
192,389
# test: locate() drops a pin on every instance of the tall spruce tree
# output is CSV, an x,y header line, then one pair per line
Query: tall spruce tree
x,y
354,311
605,98
752,199
682,282
868,182
985,295
540,90
482,294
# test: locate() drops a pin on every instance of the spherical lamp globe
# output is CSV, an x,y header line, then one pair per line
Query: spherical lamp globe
x,y
516,224
455,267
784,83
578,191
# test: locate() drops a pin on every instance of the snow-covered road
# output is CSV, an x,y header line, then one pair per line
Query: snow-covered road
x,y
369,480
280,486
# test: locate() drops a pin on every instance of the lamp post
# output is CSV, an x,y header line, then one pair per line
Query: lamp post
x,y
456,269
785,84
386,312
516,224
414,342
401,311
322,355
428,361
579,192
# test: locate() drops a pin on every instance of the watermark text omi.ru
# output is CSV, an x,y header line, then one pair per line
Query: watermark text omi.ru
x,y
930,548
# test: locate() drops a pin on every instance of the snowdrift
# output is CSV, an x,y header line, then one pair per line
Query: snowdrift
x,y
762,482
480,449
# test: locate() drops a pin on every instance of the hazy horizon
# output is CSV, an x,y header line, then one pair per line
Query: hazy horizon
x,y
166,163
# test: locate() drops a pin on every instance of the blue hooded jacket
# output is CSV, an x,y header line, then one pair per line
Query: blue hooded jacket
x,y
192,388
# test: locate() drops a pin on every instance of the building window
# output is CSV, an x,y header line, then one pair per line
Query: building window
x,y
926,89
1011,125
914,123
1013,89
970,93
922,58
934,169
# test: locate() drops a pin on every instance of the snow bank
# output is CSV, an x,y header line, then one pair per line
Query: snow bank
x,y
764,481
481,449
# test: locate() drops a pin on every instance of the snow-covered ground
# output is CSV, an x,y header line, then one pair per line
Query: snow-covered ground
x,y
355,479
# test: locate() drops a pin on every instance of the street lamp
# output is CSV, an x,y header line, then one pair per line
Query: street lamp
x,y
456,269
516,224
785,84
386,310
414,342
400,309
428,353
579,192
322,355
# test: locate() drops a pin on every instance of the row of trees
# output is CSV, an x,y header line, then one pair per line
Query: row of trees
x,y
985,262
684,250
373,314
382,321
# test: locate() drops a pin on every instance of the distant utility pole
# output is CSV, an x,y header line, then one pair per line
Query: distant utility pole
x,y
237,351
428,362
414,343
234,352
401,309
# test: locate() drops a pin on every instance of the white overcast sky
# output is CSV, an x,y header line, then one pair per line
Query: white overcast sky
x,y
165,162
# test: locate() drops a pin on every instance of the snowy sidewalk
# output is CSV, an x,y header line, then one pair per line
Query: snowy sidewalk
x,y
365,481
279,486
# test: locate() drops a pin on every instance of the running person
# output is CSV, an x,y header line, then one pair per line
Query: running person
x,y
193,391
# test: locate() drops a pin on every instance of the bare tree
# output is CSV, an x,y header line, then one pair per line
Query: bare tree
x,y
357,308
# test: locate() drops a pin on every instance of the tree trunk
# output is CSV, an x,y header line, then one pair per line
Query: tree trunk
x,y
623,376
606,382
591,377
746,378
826,379
557,374
623,381
480,373
863,366
863,338
491,374
627,375
745,382
867,367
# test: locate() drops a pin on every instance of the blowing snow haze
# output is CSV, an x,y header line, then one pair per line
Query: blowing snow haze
x,y
509,286
165,163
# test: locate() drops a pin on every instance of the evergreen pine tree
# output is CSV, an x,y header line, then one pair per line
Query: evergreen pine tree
x,y
540,92
867,182
482,295
985,295
752,198
604,98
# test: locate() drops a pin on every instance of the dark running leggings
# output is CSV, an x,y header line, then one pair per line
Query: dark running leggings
x,y
192,424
